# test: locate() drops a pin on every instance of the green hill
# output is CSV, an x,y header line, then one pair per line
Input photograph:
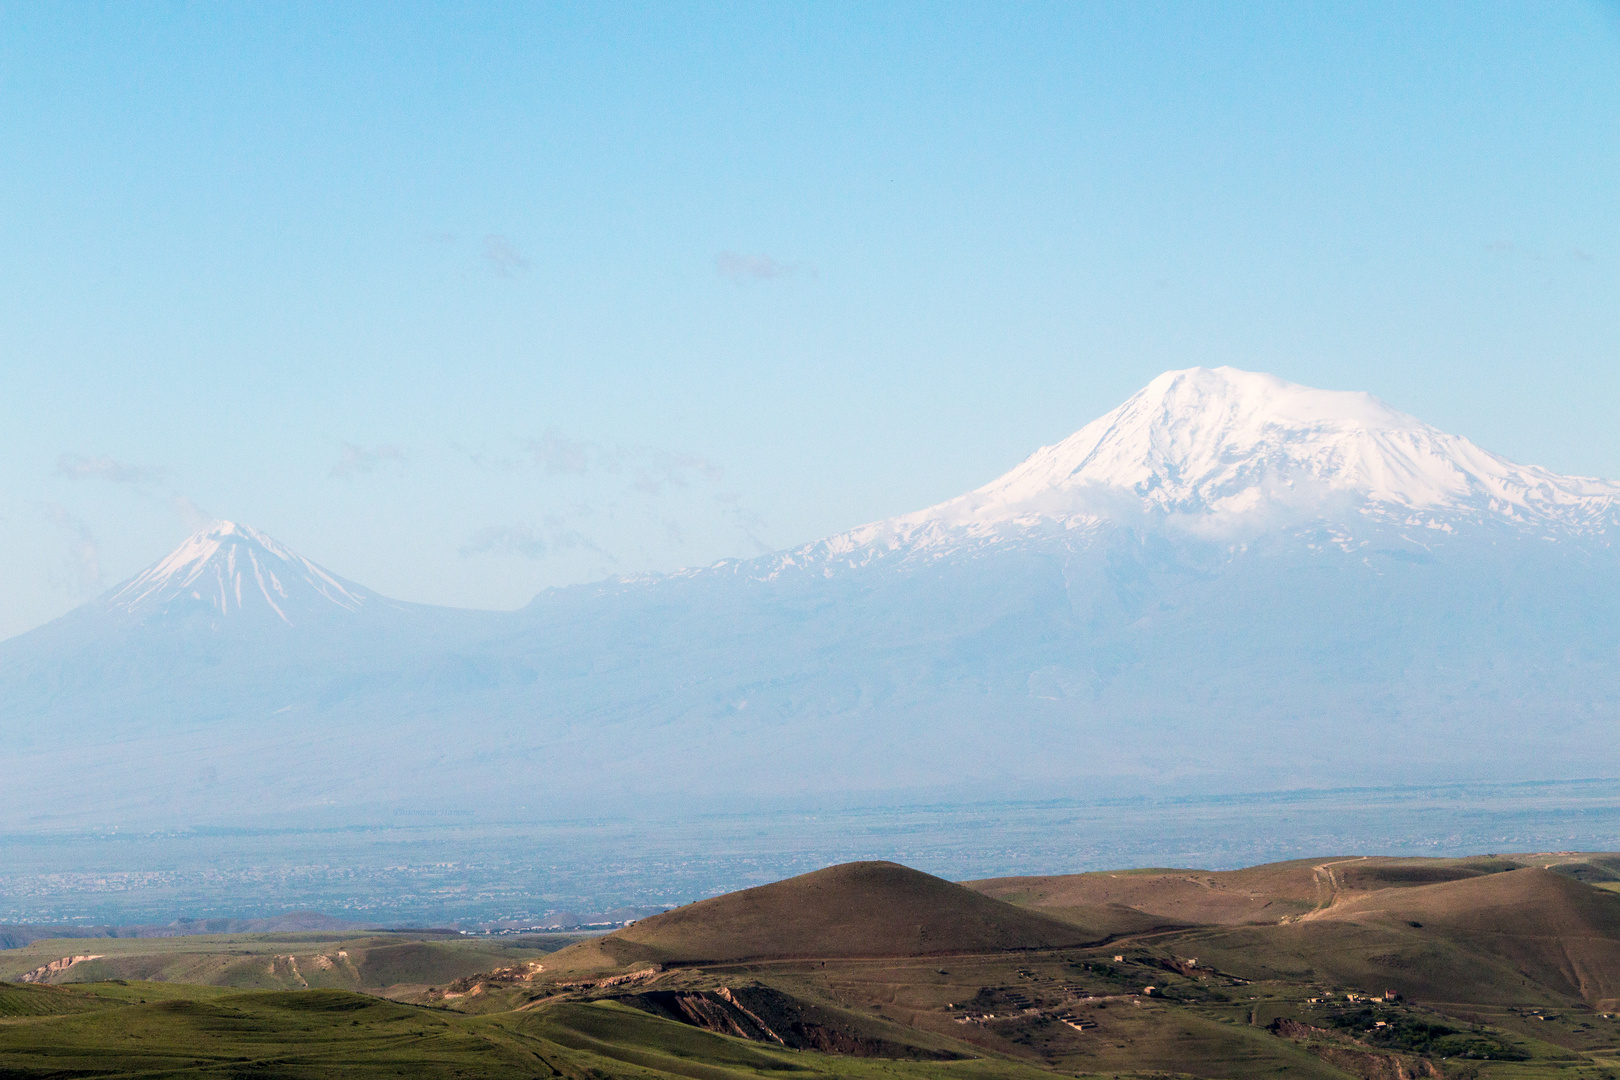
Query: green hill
x,y
280,961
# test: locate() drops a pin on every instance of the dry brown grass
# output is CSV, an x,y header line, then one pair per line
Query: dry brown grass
x,y
1134,900
1551,928
1130,901
853,910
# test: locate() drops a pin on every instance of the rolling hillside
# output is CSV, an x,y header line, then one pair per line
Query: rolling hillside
x,y
1262,894
1491,968
1554,931
276,961
877,909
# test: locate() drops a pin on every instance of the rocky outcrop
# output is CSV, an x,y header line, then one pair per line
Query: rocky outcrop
x,y
763,1014
44,972
1371,1066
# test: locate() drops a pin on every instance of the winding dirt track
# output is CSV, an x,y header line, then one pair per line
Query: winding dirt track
x,y
1323,873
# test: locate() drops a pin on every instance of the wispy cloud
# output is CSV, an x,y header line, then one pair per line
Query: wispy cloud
x,y
553,534
743,519
80,467
148,480
193,516
630,484
739,267
356,459
82,552
658,470
646,470
1510,250
555,454
502,257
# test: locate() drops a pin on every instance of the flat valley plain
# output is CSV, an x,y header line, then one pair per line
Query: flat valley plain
x,y
502,867
1486,966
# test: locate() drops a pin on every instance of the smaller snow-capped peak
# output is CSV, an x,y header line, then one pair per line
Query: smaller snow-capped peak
x,y
234,569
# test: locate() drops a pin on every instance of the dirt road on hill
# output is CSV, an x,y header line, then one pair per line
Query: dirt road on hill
x,y
1323,873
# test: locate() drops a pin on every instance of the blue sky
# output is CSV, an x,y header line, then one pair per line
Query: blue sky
x,y
465,301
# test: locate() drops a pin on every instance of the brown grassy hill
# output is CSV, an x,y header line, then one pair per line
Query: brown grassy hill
x,y
1168,897
1553,929
1132,900
1594,869
1529,936
854,910
1369,875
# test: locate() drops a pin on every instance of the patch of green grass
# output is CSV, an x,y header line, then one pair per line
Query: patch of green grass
x,y
1403,1032
280,961
610,1037
274,1035
18,1000
316,1034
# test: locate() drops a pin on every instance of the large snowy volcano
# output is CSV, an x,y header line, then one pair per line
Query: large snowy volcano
x,y
1227,453
1228,583
1230,444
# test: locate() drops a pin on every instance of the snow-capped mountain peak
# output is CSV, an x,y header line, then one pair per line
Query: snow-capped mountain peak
x,y
231,569
1219,450
1206,440
1226,442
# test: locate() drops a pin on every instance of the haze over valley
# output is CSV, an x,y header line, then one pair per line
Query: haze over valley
x,y
1228,586
619,542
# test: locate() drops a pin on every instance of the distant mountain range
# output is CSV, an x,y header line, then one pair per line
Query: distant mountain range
x,y
1228,583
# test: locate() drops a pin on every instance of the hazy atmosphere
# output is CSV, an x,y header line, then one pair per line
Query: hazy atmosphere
x,y
463,303
863,541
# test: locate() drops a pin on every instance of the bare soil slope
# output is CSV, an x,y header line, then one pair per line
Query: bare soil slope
x,y
854,910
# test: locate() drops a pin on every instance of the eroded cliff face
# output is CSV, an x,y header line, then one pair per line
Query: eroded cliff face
x,y
764,1014
45,972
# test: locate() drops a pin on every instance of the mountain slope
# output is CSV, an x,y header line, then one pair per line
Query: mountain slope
x,y
231,625
235,570
1228,583
1227,453
1227,442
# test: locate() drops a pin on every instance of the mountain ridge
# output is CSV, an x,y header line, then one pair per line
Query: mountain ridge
x,y
1069,647
1228,455
1155,448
